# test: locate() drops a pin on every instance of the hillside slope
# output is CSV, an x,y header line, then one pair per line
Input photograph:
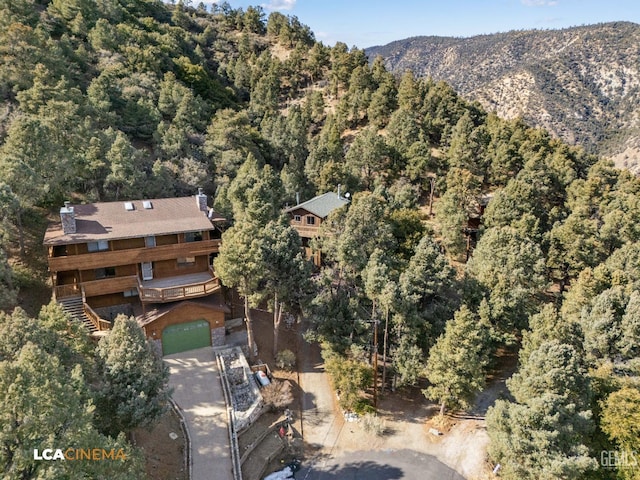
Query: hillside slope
x,y
582,83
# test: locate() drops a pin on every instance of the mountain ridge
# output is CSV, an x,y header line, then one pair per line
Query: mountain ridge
x,y
580,83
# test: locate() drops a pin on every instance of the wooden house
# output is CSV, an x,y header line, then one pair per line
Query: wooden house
x,y
306,218
134,256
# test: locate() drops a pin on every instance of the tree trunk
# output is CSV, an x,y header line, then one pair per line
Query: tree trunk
x,y
432,182
277,319
442,407
253,348
564,281
384,349
20,231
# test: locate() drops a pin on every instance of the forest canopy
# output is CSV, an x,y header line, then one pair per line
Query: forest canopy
x,y
461,224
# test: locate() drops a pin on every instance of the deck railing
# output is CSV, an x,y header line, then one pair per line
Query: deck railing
x,y
98,322
114,258
105,286
307,232
62,291
179,292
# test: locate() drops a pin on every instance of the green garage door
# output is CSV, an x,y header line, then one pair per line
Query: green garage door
x,y
185,336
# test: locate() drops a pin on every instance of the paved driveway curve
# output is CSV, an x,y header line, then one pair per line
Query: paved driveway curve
x,y
402,464
322,431
198,392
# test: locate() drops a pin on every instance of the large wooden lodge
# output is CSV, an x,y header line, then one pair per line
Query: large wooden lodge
x,y
154,259
149,258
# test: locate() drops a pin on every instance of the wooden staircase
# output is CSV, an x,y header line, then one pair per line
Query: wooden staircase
x,y
75,307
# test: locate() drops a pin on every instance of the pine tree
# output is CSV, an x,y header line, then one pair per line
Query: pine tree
x,y
512,268
542,435
287,278
621,421
45,402
365,229
456,364
240,265
133,388
629,343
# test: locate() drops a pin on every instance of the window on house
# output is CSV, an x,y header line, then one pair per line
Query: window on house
x,y
193,236
150,241
311,220
186,261
131,293
297,218
98,246
107,272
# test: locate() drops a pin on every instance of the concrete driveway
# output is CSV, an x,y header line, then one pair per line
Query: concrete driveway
x,y
198,392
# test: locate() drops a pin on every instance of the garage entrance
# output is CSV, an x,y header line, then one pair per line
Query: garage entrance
x,y
185,336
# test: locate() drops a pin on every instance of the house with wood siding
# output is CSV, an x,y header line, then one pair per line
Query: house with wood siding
x,y
307,217
152,258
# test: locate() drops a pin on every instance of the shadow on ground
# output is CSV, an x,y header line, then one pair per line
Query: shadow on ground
x,y
356,470
378,465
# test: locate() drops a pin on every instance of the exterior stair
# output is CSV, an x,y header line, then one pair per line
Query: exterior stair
x,y
74,307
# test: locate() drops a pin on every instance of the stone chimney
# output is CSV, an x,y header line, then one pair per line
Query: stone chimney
x,y
68,218
201,198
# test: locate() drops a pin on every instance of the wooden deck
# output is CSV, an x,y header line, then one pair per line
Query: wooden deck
x,y
170,289
177,281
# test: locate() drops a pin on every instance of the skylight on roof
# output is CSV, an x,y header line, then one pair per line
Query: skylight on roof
x,y
147,204
128,206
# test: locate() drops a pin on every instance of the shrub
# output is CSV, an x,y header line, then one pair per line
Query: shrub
x,y
350,378
277,395
363,407
286,360
373,424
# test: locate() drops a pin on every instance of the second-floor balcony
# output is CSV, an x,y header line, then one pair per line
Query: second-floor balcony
x,y
114,258
171,289
307,231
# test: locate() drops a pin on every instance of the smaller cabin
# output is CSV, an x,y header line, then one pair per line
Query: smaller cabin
x,y
306,218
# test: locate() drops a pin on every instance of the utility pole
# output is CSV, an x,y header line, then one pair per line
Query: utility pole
x,y
375,364
384,349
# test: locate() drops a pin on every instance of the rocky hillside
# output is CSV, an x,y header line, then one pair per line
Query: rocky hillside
x,y
581,83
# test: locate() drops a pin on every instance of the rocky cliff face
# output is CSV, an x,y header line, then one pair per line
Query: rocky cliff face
x,y
582,83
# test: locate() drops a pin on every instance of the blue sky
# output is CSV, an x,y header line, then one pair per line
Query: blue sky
x,y
364,23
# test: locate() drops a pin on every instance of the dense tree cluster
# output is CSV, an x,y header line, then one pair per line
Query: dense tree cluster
x,y
58,393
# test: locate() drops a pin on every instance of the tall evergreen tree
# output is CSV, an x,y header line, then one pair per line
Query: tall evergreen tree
x,y
456,364
512,268
288,273
621,422
240,265
542,435
132,389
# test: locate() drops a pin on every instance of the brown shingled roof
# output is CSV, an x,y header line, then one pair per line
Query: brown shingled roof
x,y
110,220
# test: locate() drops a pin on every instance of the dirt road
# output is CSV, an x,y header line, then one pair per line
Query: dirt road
x,y
339,449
